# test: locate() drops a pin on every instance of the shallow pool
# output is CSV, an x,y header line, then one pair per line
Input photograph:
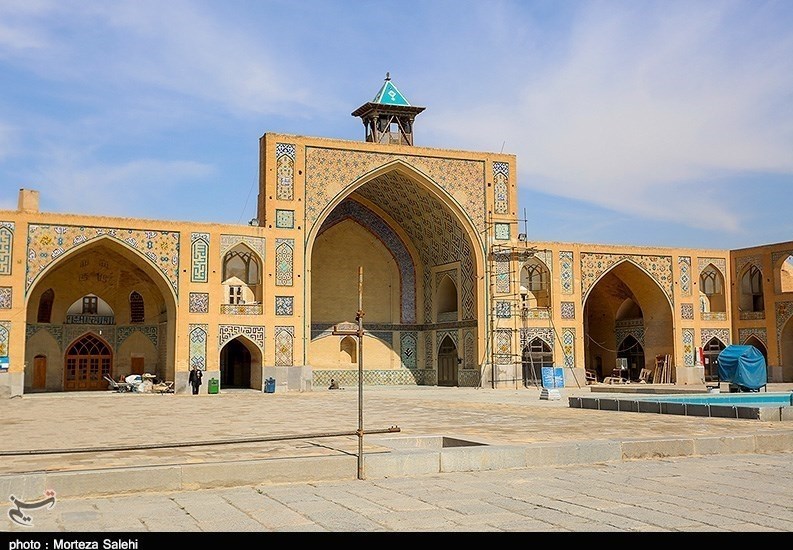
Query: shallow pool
x,y
749,405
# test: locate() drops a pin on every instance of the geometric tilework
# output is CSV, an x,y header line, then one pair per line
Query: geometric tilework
x,y
329,171
285,219
688,346
566,276
758,332
741,262
500,188
284,343
4,329
199,256
684,262
284,253
56,331
284,305
707,334
123,332
198,346
199,302
227,333
503,346
285,171
502,231
254,243
568,310
784,311
529,334
568,347
718,263
687,311
6,247
502,272
659,268
5,297
630,327
469,350
46,243
428,355
503,310
408,349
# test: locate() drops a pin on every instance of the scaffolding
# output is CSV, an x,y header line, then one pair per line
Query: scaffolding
x,y
516,313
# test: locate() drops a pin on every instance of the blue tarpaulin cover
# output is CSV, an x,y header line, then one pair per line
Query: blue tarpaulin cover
x,y
743,366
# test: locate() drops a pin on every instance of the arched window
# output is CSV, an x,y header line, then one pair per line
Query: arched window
x,y
535,284
447,299
45,306
348,350
136,309
241,263
711,285
751,298
786,275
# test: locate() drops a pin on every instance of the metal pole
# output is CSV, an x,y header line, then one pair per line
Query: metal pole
x,y
359,317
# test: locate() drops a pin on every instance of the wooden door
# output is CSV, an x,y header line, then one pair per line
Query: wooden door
x,y
447,363
137,365
39,372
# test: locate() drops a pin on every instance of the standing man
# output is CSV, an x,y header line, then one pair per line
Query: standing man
x,y
195,379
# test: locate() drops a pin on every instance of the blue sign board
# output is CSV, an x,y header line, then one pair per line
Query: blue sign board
x,y
4,363
552,377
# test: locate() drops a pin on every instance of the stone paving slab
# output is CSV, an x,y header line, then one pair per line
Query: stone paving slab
x,y
506,428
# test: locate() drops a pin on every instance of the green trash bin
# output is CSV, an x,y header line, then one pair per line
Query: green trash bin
x,y
214,385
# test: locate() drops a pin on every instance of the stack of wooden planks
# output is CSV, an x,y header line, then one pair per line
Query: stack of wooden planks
x,y
663,370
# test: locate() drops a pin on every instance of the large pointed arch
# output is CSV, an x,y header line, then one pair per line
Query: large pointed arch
x,y
626,301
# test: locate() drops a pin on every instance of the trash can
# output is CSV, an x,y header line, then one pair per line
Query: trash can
x,y
213,386
269,385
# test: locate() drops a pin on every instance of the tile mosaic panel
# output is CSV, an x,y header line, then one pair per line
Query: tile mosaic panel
x,y
56,331
503,310
530,333
367,218
434,230
6,247
255,334
198,346
568,347
707,334
502,231
784,311
684,263
125,331
5,328
503,346
47,243
687,311
538,313
594,265
199,302
469,350
284,256
718,263
5,297
285,171
257,244
408,348
329,171
741,262
623,329
566,271
758,332
285,219
429,361
688,346
501,188
441,336
284,305
502,264
568,310
284,344
199,256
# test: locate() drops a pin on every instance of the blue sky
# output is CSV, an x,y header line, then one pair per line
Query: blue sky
x,y
633,122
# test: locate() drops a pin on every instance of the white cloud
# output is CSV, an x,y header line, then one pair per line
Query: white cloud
x,y
646,106
74,185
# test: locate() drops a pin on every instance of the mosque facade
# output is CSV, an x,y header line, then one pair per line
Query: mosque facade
x,y
419,249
